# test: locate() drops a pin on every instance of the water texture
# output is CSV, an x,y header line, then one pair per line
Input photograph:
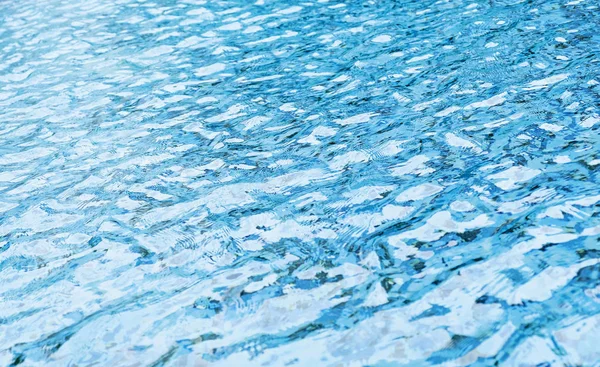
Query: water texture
x,y
282,183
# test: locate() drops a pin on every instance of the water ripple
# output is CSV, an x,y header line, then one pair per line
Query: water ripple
x,y
317,183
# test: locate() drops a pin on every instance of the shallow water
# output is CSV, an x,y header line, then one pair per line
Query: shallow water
x,y
377,183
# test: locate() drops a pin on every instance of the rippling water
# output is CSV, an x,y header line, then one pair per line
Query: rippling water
x,y
281,183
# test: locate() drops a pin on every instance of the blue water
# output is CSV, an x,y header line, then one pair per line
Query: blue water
x,y
282,183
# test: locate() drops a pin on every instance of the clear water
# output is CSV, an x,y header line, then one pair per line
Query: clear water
x,y
319,183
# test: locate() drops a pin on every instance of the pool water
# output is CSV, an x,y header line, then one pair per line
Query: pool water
x,y
286,183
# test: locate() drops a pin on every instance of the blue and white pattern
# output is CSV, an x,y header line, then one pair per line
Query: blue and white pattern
x,y
299,183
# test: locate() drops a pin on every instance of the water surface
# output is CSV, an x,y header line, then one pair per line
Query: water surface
x,y
282,183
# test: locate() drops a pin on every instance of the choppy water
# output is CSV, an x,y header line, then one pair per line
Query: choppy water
x,y
319,183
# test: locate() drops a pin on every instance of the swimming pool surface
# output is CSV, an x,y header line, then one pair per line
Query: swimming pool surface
x,y
286,183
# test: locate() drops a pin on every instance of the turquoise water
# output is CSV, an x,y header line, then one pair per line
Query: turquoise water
x,y
319,183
